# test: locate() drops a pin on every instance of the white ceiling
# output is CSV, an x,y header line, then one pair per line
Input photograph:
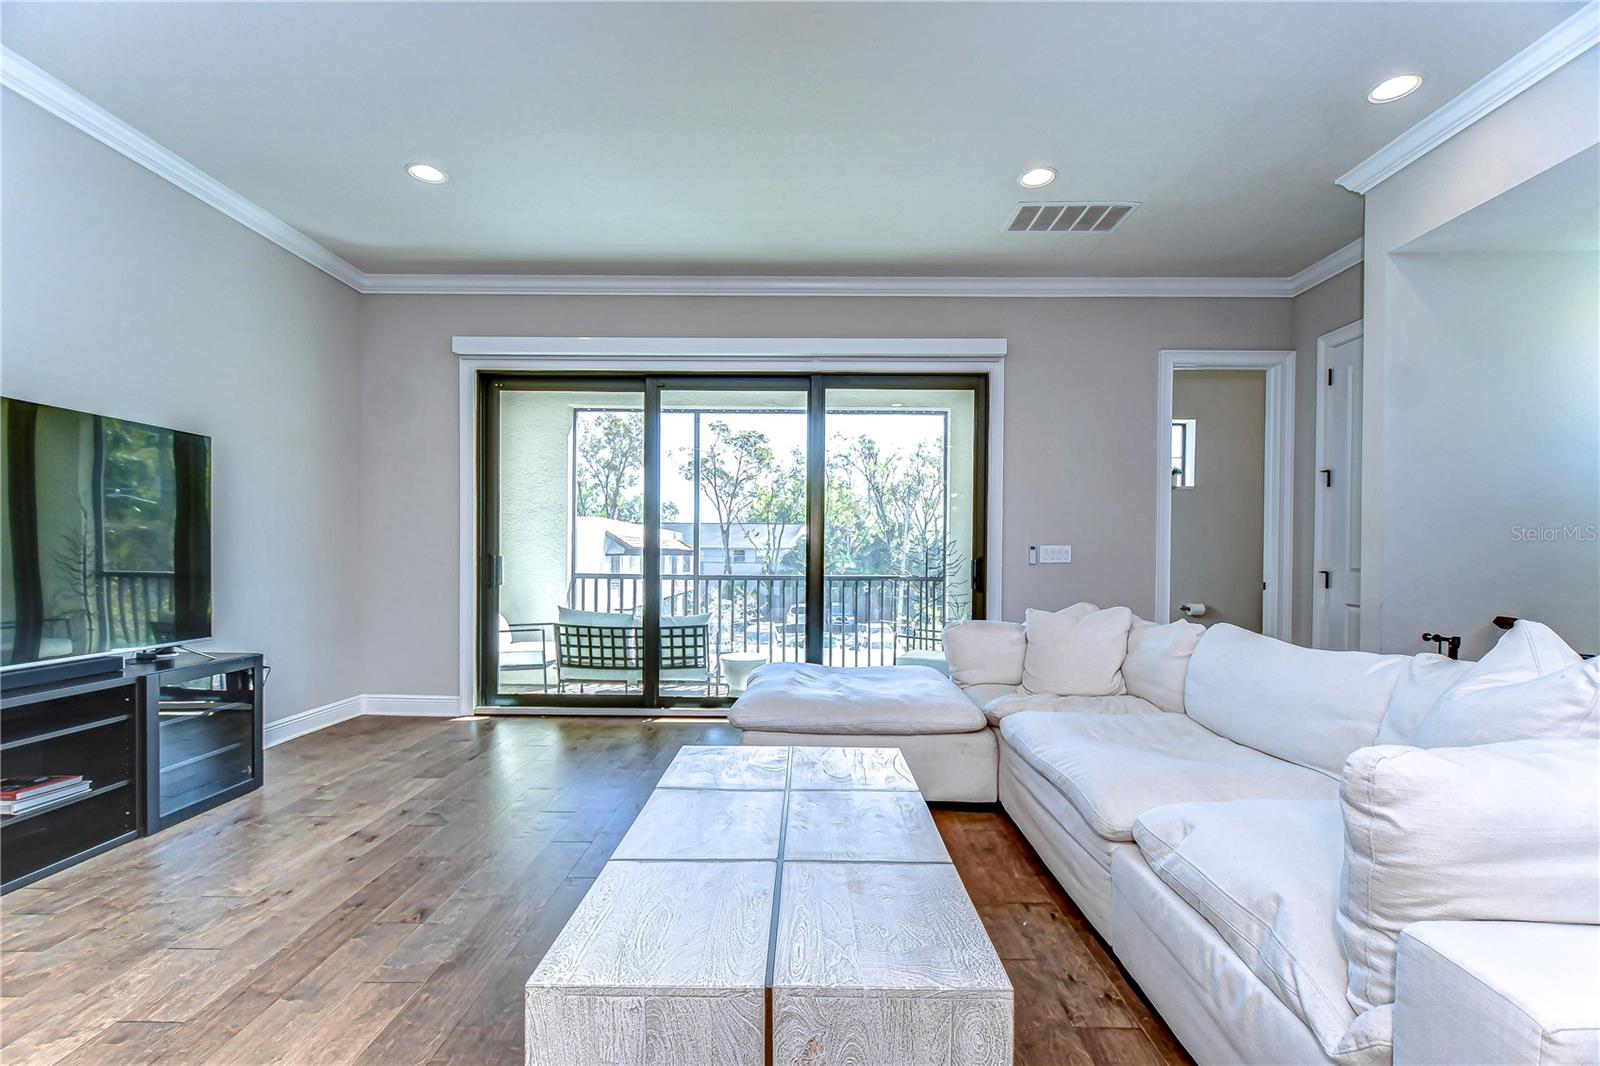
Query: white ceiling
x,y
767,138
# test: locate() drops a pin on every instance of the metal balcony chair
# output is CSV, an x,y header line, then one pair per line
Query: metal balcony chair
x,y
593,647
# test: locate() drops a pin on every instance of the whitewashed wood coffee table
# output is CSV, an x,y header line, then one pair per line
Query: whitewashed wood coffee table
x,y
775,905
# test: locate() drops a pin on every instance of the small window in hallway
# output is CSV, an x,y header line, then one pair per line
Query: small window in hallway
x,y
1183,453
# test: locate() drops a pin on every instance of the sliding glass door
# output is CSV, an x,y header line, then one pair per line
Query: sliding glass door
x,y
561,521
903,528
650,541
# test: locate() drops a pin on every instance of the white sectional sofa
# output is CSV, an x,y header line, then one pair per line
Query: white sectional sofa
x,y
1207,817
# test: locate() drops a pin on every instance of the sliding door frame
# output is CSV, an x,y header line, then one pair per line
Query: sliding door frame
x,y
656,384
649,388
555,363
490,563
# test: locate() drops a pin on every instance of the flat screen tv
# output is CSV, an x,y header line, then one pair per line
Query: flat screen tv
x,y
105,535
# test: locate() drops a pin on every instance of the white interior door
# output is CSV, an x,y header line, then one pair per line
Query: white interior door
x,y
1336,585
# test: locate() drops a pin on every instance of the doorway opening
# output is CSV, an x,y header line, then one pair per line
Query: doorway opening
x,y
1224,489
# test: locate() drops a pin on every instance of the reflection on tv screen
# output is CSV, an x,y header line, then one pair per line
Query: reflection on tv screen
x,y
107,534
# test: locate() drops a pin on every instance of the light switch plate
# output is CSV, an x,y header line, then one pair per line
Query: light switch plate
x,y
1055,553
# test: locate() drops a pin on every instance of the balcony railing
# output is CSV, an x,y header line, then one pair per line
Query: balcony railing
x,y
867,618
139,603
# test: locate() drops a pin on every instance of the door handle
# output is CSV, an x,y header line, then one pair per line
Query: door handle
x,y
1327,478
1327,578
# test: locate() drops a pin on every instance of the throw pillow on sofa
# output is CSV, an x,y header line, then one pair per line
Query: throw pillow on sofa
x,y
1158,660
1530,685
1427,677
1497,832
1077,651
984,653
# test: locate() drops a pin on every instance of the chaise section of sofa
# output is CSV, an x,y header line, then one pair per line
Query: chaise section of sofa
x,y
945,738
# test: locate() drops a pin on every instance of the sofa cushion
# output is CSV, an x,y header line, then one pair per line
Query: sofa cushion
x,y
1530,685
1424,680
807,698
1114,767
1498,992
1226,1014
1158,660
1013,702
1265,875
1497,832
985,653
1310,707
569,616
983,695
1048,802
1077,651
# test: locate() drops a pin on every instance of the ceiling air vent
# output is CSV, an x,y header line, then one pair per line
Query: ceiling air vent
x,y
1057,217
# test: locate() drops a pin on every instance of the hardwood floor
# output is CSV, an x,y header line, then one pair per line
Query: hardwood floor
x,y
384,897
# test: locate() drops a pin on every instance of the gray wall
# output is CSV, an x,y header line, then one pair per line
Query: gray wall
x,y
1216,523
124,296
1495,421
1080,432
1493,500
1334,303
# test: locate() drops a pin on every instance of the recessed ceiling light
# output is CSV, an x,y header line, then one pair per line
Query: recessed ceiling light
x,y
428,173
1394,88
1037,178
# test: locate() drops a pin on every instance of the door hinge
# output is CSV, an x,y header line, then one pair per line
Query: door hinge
x,y
499,570
1330,375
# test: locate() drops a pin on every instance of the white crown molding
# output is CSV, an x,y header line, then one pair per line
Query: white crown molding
x,y
67,104
72,107
744,285
1330,265
1575,36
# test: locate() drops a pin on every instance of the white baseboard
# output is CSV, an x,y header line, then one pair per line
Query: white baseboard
x,y
412,706
298,725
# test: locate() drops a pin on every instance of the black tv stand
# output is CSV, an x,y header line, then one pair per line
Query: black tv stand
x,y
158,742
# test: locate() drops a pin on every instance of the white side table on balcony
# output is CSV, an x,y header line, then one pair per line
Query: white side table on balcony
x,y
737,666
934,659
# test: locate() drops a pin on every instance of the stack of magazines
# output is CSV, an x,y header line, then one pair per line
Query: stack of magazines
x,y
18,795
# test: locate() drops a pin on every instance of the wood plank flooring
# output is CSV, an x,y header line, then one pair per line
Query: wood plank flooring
x,y
382,900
